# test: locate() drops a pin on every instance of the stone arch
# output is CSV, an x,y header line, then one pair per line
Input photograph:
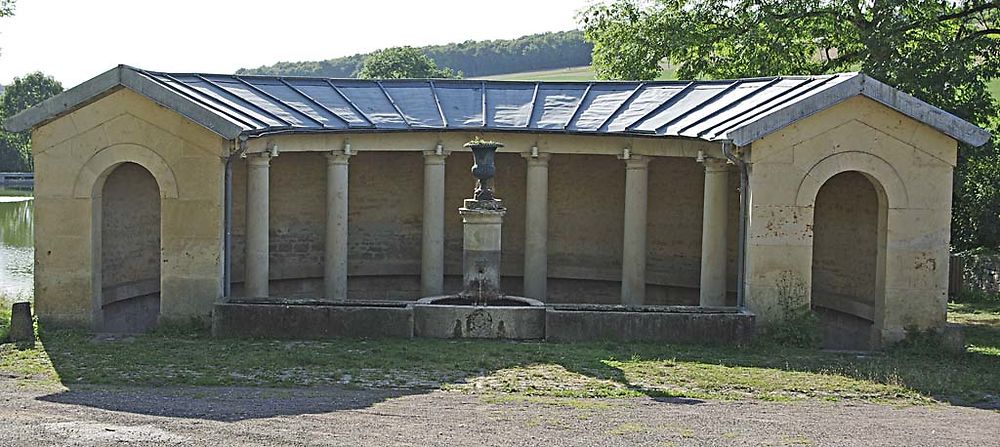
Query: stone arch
x,y
90,179
880,172
127,249
847,286
89,184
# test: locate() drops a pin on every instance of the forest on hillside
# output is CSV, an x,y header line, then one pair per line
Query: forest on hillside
x,y
471,58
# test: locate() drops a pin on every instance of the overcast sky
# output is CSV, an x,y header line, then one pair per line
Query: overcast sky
x,y
74,40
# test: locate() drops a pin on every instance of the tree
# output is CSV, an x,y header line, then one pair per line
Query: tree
x,y
944,52
24,92
401,62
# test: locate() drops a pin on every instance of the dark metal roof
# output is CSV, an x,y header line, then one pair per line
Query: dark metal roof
x,y
740,111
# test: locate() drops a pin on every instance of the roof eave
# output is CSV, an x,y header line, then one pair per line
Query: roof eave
x,y
860,84
65,102
110,81
908,105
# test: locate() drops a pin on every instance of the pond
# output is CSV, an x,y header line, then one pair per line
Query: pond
x,y
17,252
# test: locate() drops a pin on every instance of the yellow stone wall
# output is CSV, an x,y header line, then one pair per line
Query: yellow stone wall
x,y
586,193
74,153
912,164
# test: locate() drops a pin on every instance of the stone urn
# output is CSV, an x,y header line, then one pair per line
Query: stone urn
x,y
483,168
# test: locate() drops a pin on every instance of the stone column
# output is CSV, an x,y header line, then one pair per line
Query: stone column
x,y
713,234
536,226
432,243
634,246
258,177
335,259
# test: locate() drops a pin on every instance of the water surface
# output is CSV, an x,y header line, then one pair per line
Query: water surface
x,y
17,253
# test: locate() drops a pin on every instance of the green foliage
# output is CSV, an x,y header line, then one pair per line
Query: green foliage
x,y
943,52
4,319
6,8
979,276
24,92
800,329
472,58
975,297
399,63
976,210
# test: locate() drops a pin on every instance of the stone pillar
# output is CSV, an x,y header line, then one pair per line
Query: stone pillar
x,y
22,328
335,257
258,177
432,248
634,246
713,234
536,226
481,250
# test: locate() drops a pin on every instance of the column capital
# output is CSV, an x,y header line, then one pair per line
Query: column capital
x,y
635,161
258,158
716,165
337,157
537,159
432,157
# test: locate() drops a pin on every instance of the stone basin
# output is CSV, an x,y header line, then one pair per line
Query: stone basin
x,y
454,316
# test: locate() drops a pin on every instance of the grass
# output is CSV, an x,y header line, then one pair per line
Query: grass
x,y
4,318
907,375
995,88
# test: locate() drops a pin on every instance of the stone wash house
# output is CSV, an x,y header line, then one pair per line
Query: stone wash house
x,y
160,196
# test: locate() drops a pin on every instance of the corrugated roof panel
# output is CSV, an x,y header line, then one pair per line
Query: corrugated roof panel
x,y
300,103
808,91
235,106
647,100
685,104
231,101
324,94
462,103
509,105
368,97
556,104
276,109
746,107
416,102
720,103
600,104
211,102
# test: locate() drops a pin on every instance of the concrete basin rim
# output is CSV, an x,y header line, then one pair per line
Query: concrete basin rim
x,y
529,302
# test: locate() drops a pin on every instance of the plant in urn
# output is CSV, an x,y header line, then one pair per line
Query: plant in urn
x,y
483,170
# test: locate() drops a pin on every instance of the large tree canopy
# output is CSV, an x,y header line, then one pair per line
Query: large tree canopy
x,y
24,92
401,62
942,51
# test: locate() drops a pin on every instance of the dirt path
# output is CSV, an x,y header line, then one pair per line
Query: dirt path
x,y
93,416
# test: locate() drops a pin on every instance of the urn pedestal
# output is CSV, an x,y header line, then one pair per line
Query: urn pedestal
x,y
482,224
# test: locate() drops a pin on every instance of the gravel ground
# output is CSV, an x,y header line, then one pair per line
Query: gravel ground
x,y
217,417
